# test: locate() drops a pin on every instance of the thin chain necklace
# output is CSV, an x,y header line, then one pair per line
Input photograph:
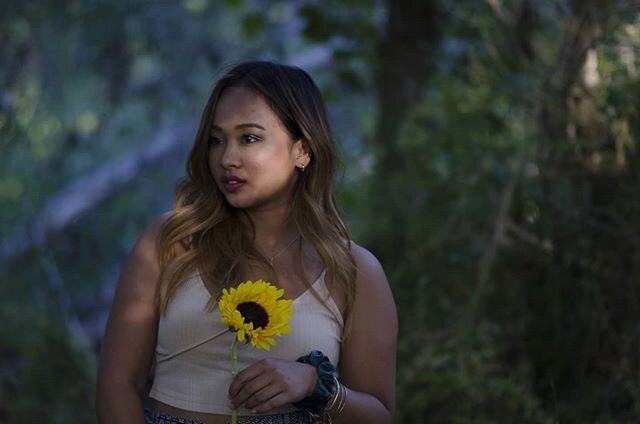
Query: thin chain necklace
x,y
272,258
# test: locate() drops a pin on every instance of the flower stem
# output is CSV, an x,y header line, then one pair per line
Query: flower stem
x,y
234,371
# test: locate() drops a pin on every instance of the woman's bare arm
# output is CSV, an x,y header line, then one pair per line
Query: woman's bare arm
x,y
368,355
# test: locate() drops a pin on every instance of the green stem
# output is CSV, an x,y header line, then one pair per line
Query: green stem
x,y
234,371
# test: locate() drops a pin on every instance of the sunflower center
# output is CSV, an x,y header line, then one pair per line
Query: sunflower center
x,y
254,313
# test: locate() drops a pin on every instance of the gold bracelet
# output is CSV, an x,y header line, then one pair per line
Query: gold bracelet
x,y
337,401
343,400
334,397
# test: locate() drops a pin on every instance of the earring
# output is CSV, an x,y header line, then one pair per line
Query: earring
x,y
301,166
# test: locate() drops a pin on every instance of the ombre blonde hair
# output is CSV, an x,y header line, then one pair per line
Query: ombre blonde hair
x,y
215,233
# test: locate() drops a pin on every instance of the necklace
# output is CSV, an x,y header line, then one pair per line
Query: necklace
x,y
281,251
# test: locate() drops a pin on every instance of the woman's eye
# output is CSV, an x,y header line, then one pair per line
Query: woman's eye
x,y
250,138
214,141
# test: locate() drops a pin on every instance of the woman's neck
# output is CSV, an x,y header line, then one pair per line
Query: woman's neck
x,y
273,229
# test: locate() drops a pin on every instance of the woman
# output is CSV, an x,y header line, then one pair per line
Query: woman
x,y
257,203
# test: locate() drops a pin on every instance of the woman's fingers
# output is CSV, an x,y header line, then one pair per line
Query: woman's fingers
x,y
249,388
271,383
271,403
264,396
243,377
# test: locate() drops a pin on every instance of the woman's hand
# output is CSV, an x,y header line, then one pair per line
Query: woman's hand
x,y
271,383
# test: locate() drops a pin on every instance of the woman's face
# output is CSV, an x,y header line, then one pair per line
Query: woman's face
x,y
251,155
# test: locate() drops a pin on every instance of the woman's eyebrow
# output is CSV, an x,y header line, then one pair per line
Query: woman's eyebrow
x,y
240,126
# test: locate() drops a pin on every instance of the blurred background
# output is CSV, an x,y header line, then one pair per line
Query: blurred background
x,y
490,160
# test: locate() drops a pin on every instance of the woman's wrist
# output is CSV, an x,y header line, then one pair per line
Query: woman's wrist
x,y
313,379
325,388
328,397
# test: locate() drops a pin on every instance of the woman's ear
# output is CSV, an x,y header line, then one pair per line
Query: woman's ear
x,y
302,153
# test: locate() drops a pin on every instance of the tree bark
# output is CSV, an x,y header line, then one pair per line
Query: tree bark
x,y
407,60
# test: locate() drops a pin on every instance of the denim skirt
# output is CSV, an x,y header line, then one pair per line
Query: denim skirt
x,y
297,417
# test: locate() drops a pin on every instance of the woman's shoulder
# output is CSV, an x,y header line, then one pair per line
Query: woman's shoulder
x,y
147,247
150,237
156,225
371,280
374,306
140,274
366,262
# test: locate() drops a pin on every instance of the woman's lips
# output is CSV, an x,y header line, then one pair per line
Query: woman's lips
x,y
232,184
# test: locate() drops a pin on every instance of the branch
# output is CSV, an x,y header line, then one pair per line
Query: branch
x,y
530,238
63,303
88,191
517,27
499,230
494,5
577,260
487,260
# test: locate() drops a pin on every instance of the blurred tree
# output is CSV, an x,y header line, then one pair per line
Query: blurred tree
x,y
507,216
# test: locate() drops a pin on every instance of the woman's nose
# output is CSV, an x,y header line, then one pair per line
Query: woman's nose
x,y
230,156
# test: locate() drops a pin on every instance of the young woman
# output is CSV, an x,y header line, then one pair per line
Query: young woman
x,y
257,203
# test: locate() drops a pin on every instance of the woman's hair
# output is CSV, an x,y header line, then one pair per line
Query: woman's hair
x,y
217,235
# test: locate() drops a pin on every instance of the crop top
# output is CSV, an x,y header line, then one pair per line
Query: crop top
x,y
193,348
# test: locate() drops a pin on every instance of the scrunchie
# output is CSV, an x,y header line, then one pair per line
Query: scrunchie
x,y
316,403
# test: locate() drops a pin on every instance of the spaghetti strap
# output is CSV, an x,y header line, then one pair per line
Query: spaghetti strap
x,y
192,346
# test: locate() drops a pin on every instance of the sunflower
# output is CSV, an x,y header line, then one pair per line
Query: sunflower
x,y
255,312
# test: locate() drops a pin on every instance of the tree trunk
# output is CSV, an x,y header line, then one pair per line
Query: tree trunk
x,y
407,60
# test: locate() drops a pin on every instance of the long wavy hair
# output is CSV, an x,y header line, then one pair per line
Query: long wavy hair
x,y
219,237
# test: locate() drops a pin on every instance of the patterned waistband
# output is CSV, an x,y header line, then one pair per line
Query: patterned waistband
x,y
153,417
297,417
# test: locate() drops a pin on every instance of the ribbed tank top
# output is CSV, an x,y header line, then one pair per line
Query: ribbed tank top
x,y
193,350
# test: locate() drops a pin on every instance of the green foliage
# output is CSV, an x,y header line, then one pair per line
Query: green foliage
x,y
509,227
253,24
472,389
507,221
459,150
44,377
352,28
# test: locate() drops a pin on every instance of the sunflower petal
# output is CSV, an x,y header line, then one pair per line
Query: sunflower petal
x,y
266,296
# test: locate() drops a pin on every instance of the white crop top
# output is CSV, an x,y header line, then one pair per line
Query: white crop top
x,y
193,350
